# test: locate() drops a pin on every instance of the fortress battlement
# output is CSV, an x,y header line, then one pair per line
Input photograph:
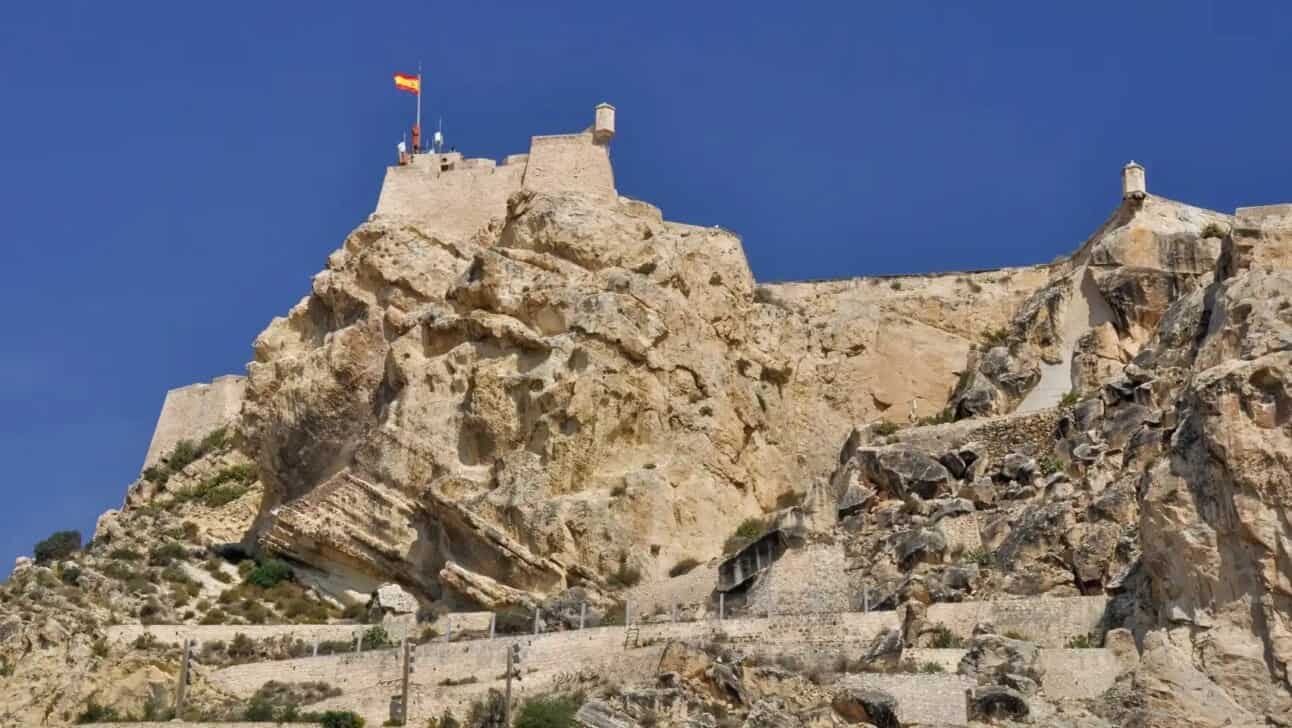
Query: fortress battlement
x,y
453,196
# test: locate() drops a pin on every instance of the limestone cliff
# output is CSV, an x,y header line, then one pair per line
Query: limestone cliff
x,y
579,383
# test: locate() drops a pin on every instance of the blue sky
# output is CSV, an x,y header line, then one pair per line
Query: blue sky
x,y
172,174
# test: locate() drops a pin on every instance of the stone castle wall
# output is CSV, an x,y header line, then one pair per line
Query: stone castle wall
x,y
569,163
189,413
450,204
449,197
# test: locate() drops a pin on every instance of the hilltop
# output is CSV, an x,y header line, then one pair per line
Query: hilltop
x,y
516,402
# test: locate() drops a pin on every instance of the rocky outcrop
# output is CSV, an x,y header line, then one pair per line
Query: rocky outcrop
x,y
581,384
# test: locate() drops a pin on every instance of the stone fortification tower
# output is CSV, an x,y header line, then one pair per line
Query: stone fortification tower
x,y
603,129
1133,185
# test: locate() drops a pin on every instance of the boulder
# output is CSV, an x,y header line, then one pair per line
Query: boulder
x,y
1018,467
923,545
884,653
990,658
996,702
865,705
901,471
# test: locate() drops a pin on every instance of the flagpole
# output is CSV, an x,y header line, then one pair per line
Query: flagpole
x,y
419,96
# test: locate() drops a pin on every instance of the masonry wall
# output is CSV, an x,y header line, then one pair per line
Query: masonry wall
x,y
189,413
1049,622
174,634
569,163
923,699
1030,432
453,204
691,590
807,579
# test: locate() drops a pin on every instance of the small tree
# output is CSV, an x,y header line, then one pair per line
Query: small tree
x,y
57,547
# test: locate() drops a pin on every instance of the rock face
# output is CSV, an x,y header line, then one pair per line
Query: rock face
x,y
580,384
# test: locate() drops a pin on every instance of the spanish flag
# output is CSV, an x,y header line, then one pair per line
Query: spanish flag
x,y
411,84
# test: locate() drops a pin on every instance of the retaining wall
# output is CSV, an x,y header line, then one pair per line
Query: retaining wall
x,y
923,699
1049,622
174,634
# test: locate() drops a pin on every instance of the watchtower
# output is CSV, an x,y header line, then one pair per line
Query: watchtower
x,y
1133,185
603,129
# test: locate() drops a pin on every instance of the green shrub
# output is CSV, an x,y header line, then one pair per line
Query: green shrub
x,y
749,530
222,488
930,668
944,638
1214,230
1014,634
214,440
183,454
70,575
884,428
151,613
167,554
625,576
122,553
980,556
57,547
95,713
145,641
995,337
551,711
242,646
376,637
1082,642
340,719
6,669
215,616
685,566
269,573
223,495
487,711
1049,464
943,417
1069,399
618,490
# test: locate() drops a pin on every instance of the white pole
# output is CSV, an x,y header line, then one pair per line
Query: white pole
x,y
419,98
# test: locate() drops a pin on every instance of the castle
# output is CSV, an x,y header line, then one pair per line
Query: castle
x,y
446,194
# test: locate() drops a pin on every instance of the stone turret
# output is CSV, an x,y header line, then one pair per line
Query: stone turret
x,y
1133,184
603,130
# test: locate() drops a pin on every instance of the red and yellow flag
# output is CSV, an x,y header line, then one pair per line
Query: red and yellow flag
x,y
411,84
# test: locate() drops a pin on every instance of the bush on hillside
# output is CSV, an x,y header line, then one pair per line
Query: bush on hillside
x,y
749,530
57,547
341,719
95,713
269,573
625,576
685,566
551,711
